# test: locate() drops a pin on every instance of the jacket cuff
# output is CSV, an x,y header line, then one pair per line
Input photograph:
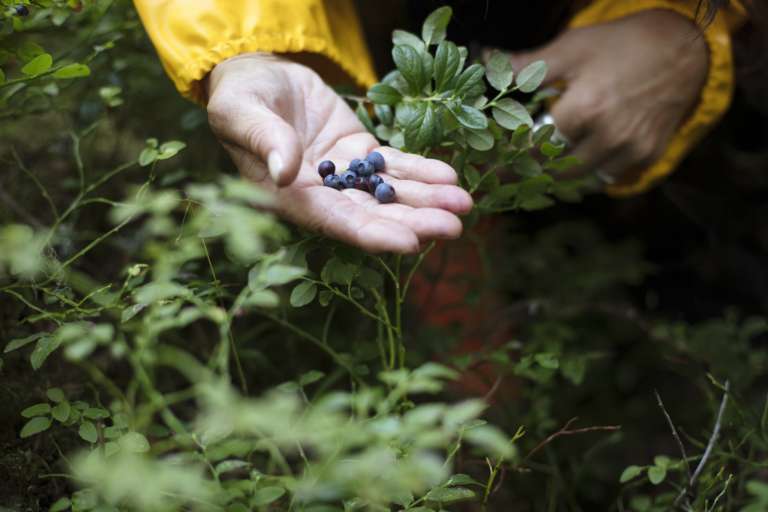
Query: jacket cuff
x,y
188,79
715,95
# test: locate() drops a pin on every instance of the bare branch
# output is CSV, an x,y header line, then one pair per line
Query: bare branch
x,y
566,432
675,435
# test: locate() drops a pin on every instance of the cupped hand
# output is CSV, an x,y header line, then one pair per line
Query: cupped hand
x,y
279,120
629,84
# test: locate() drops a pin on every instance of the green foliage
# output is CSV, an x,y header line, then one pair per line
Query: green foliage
x,y
187,351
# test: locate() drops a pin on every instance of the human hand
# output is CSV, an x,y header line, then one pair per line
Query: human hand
x,y
278,120
629,84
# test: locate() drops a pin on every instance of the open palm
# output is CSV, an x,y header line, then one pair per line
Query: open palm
x,y
279,120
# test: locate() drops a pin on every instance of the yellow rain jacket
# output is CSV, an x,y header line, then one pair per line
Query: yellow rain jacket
x,y
191,37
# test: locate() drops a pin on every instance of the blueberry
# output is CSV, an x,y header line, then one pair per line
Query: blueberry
x,y
373,181
365,168
377,160
325,168
333,181
385,193
22,10
348,179
361,183
353,164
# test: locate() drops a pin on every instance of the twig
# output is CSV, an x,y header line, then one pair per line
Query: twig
x,y
566,432
675,435
710,446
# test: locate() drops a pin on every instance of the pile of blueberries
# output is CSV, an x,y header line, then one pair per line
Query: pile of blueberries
x,y
359,175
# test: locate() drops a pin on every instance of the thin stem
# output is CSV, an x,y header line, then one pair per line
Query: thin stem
x,y
37,182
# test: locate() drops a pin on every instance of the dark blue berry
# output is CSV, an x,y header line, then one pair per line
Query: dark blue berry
x,y
22,10
373,181
377,160
348,179
361,183
353,164
333,181
385,193
365,168
325,168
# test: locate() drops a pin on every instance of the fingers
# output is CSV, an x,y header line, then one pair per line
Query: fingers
x,y
427,223
250,125
337,216
421,195
417,168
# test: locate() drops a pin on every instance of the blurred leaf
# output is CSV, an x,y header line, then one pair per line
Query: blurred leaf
x,y
433,30
499,71
657,474
365,118
87,432
60,505
21,342
38,65
55,395
629,473
449,494
61,412
72,71
133,442
510,114
266,495
36,410
303,294
531,76
35,426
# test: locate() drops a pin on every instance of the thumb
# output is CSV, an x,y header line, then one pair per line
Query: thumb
x,y
261,133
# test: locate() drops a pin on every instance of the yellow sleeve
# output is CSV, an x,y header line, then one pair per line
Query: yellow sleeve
x,y
715,96
191,37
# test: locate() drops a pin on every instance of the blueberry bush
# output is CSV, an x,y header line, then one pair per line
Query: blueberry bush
x,y
168,344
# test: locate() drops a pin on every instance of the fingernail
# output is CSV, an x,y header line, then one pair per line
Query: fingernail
x,y
275,165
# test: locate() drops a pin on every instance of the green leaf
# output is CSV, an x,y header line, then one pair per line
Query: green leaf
x,y
383,113
60,505
662,461
44,348
470,82
61,412
170,149
28,50
481,140
552,150
96,413
424,131
325,297
35,426
87,432
547,360
461,479
657,474
527,166
339,272
310,377
499,71
446,65
154,292
629,473
471,118
20,342
543,134
434,28
55,395
133,442
36,410
39,64
266,495
562,163
303,294
410,65
280,274
531,77
536,202
364,117
510,114
147,156
2,77
491,439
407,38
449,494
72,71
